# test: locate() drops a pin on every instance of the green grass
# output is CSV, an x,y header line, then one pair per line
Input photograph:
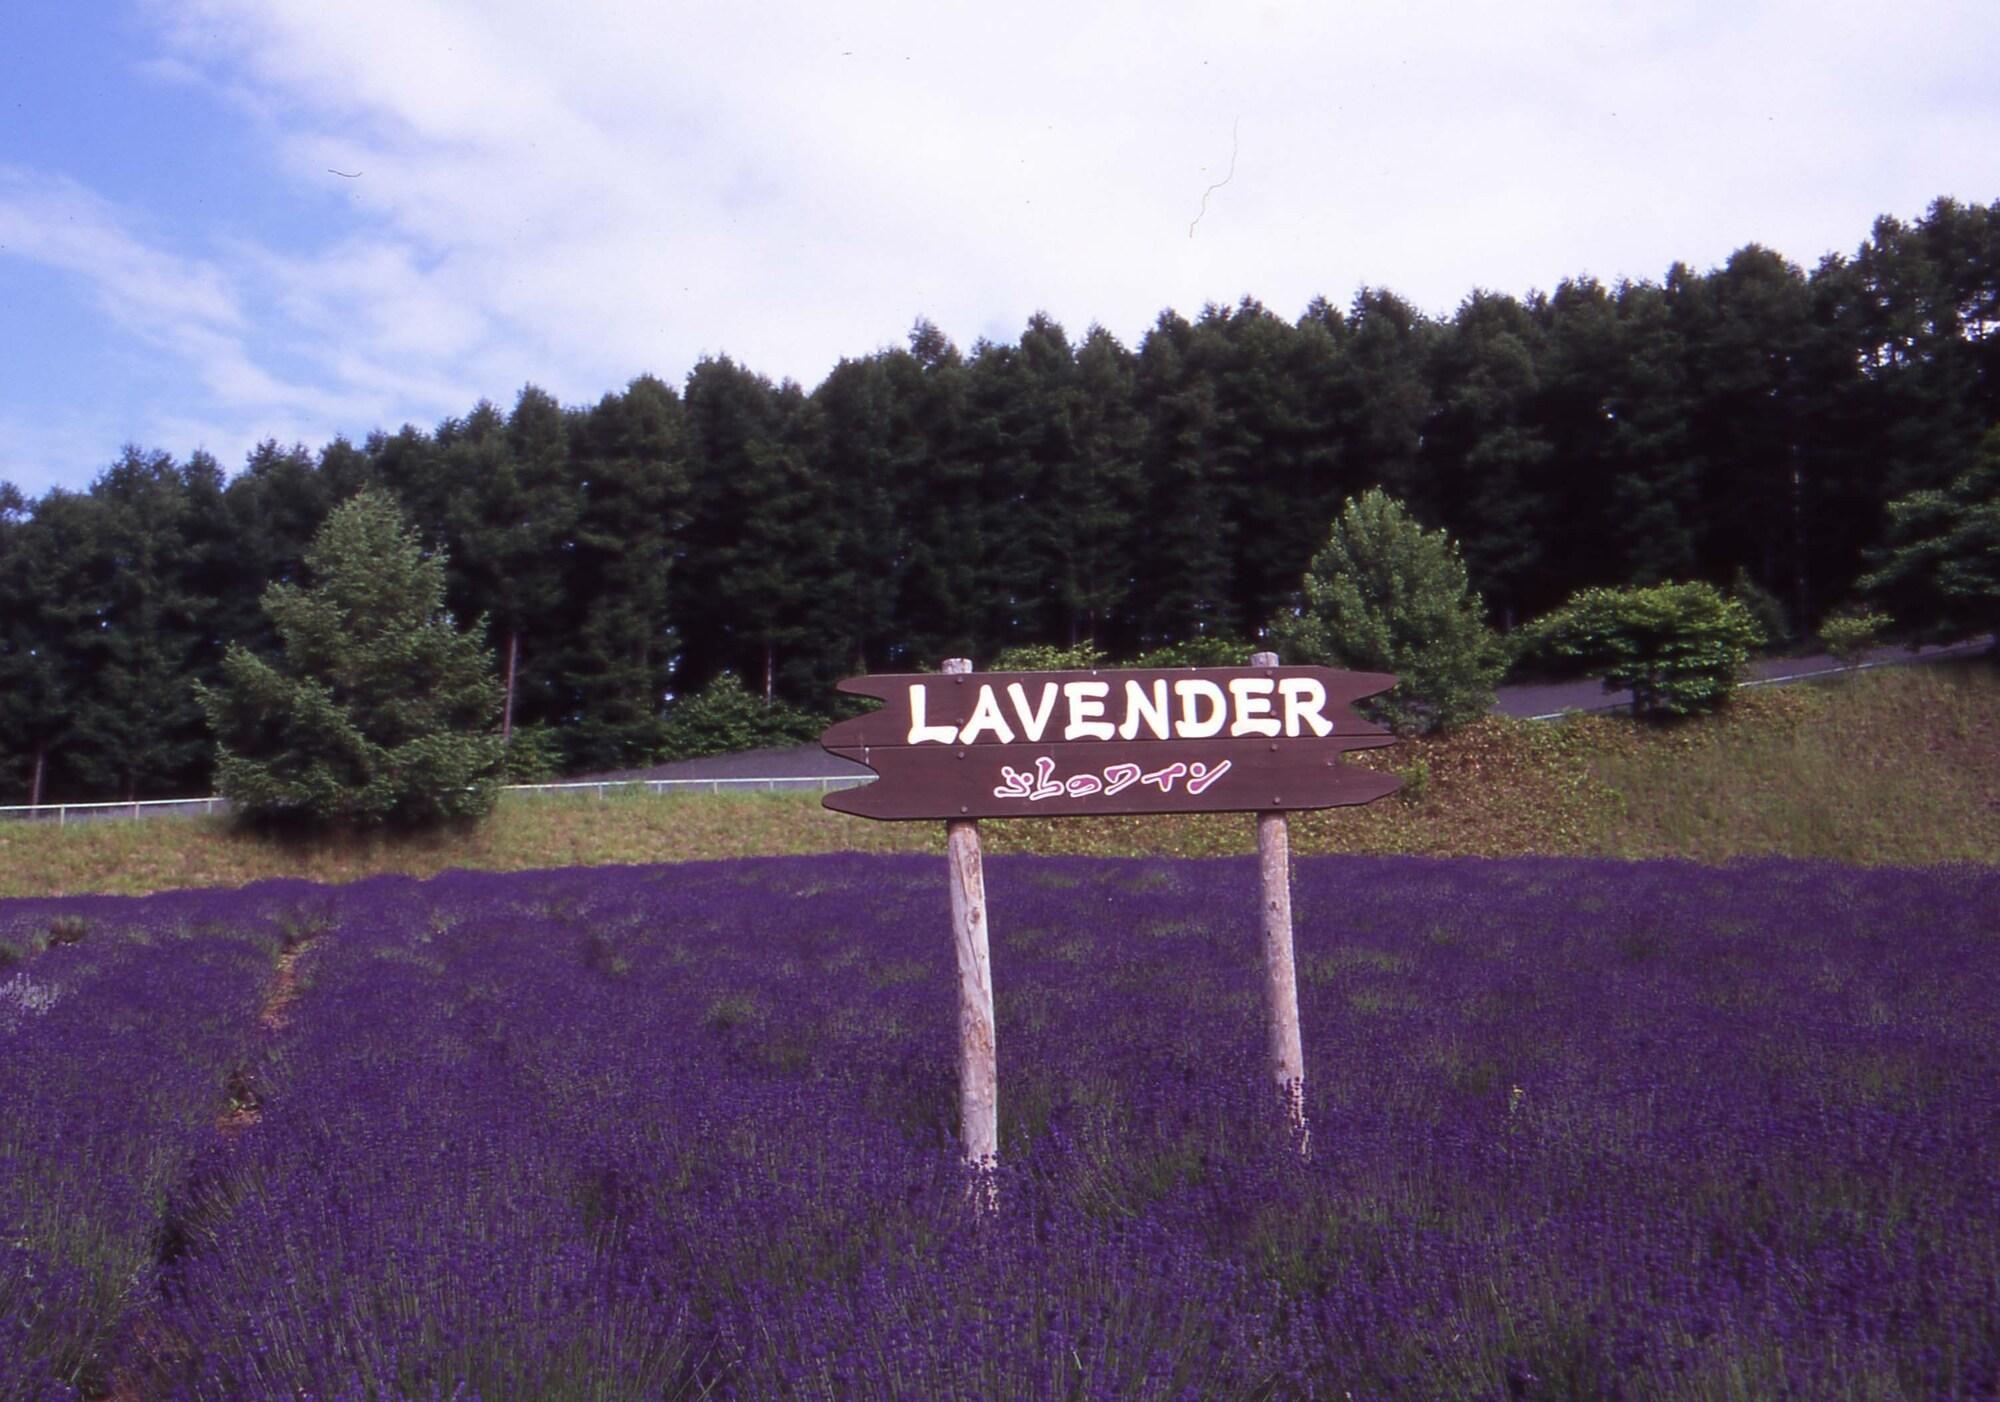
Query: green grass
x,y
1888,767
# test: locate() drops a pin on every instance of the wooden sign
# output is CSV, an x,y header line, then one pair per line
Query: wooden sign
x,y
961,746
1073,744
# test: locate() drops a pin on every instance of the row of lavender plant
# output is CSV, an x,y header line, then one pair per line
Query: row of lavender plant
x,y
1578,1129
121,1022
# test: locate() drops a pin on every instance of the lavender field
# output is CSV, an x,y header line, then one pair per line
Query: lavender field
x,y
1579,1129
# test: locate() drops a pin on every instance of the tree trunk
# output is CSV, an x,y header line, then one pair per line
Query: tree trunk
x,y
41,770
770,670
1801,597
507,708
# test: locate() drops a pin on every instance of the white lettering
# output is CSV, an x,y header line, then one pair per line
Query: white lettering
x,y
1253,699
1014,784
1304,697
1033,723
1045,783
1190,691
1151,710
921,734
1201,776
1042,782
986,716
1086,699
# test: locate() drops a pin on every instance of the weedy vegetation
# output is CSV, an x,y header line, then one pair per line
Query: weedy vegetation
x,y
1898,768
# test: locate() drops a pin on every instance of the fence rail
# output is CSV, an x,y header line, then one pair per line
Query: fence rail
x,y
62,814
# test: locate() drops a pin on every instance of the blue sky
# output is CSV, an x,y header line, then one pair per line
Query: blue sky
x,y
574,201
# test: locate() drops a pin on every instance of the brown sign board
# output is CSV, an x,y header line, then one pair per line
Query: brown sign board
x,y
1087,743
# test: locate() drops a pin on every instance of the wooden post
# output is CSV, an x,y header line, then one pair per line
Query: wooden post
x,y
978,1071
1281,984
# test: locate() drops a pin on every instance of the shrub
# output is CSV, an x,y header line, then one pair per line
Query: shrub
x,y
1208,651
1679,647
534,754
1848,636
1764,607
1046,657
1385,595
724,716
378,710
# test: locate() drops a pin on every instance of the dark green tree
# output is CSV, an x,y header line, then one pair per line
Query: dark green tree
x,y
620,577
129,573
1054,532
1274,449
938,604
171,528
761,568
39,680
1485,453
875,463
509,510
1382,391
1612,408
1106,499
1928,310
378,710
1749,338
724,716
1183,574
272,509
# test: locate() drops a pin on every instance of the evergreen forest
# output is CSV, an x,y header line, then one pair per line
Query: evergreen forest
x,y
1746,425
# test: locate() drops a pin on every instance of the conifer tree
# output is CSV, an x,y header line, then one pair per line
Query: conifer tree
x,y
379,710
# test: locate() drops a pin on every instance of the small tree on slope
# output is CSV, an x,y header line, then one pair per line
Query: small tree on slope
x,y
379,710
1385,595
1939,571
1679,648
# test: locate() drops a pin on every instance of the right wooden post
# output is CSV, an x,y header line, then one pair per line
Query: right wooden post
x,y
1281,985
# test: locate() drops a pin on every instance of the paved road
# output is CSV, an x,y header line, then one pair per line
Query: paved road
x,y
1547,700
1539,701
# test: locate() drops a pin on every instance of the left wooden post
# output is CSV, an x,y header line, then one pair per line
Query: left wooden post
x,y
978,1067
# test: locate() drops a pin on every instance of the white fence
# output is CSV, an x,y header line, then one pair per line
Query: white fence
x,y
62,814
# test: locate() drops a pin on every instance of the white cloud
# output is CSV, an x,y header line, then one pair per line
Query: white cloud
x,y
55,221
575,197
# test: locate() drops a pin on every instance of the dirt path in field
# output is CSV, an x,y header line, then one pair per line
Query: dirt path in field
x,y
136,1382
245,1105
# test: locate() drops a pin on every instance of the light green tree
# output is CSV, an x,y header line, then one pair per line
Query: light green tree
x,y
378,710
1385,595
1939,572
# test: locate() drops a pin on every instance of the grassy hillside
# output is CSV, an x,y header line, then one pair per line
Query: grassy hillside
x,y
1893,767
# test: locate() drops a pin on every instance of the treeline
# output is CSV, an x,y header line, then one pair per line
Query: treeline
x,y
1745,425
